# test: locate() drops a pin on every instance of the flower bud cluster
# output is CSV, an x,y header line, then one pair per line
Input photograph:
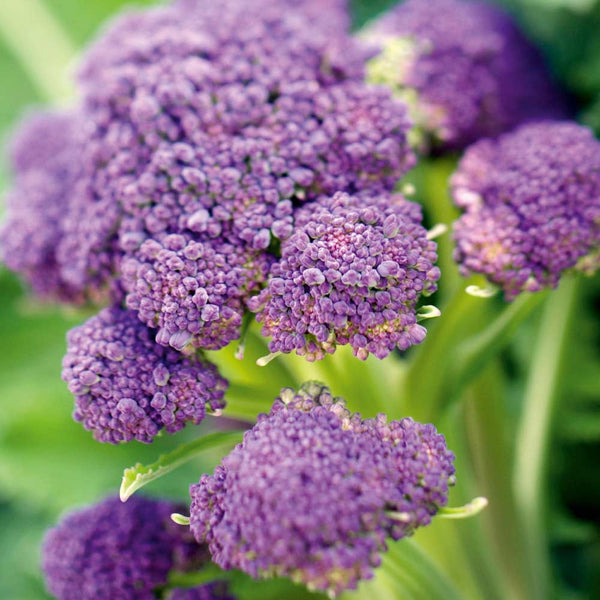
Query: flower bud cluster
x,y
40,237
205,128
464,68
313,492
531,201
128,387
193,288
352,273
118,551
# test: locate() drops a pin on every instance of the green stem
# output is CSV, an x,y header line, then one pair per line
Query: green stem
x,y
465,338
408,554
534,430
407,572
38,41
477,351
430,179
461,547
470,509
425,393
490,444
246,402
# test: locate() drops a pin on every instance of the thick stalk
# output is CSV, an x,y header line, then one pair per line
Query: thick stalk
x,y
427,376
476,352
490,453
534,431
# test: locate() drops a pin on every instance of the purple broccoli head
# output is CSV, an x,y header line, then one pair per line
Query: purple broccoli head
x,y
532,206
127,387
313,491
116,550
352,273
464,68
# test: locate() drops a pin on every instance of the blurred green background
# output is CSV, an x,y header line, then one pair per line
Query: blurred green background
x,y
49,463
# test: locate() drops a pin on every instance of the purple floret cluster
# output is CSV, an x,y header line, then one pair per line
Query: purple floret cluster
x,y
464,68
532,210
128,387
117,551
351,273
206,136
314,491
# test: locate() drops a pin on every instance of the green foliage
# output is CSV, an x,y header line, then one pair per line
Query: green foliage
x,y
136,477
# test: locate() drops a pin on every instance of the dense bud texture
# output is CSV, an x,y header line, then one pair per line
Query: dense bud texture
x,y
316,141
313,491
128,387
532,206
352,273
117,551
193,290
196,71
203,127
463,67
214,115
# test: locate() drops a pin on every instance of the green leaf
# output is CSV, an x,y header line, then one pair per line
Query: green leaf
x,y
140,475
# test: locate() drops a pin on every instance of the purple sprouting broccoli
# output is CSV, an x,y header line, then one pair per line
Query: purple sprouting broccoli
x,y
314,491
352,273
210,115
42,237
532,206
193,289
128,387
117,551
169,72
463,67
210,125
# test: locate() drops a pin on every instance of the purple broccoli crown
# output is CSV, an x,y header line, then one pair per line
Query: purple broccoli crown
x,y
211,116
196,71
116,550
464,67
313,491
128,387
532,206
352,273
